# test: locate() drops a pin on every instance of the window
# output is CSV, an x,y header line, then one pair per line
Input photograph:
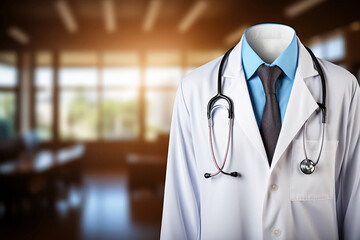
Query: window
x,y
78,77
44,95
8,84
78,114
99,102
159,105
8,75
78,96
99,93
331,49
7,114
120,114
335,48
120,95
162,76
121,76
318,50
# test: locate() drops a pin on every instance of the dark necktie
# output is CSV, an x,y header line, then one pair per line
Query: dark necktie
x,y
271,119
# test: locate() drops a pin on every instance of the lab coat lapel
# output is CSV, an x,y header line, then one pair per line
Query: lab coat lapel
x,y
301,102
238,92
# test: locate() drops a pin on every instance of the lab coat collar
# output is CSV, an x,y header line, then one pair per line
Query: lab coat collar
x,y
301,102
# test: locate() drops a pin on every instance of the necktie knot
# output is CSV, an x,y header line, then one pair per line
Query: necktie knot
x,y
268,76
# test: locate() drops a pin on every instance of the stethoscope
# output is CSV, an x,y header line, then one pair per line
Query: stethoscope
x,y
307,166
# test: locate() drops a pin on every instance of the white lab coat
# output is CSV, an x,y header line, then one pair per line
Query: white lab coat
x,y
277,202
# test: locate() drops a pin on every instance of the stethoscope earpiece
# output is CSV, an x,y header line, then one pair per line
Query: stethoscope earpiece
x,y
233,174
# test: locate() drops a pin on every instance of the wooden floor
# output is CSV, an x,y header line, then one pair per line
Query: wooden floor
x,y
103,208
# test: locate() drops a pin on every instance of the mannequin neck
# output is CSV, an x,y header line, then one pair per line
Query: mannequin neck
x,y
269,40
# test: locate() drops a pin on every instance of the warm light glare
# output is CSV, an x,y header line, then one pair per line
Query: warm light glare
x,y
78,58
163,58
200,57
121,58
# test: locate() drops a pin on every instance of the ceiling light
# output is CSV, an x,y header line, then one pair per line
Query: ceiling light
x,y
194,13
300,7
109,15
66,15
151,14
18,35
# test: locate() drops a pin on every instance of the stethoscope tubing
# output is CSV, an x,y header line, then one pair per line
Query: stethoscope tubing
x,y
210,125
227,149
321,145
307,166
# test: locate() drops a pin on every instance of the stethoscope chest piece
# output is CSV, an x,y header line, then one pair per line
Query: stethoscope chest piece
x,y
307,166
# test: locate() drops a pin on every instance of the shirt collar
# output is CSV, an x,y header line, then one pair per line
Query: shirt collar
x,y
287,60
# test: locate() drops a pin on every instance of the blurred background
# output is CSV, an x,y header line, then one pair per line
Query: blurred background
x,y
86,96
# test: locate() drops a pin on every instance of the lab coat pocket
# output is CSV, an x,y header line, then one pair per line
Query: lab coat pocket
x,y
320,184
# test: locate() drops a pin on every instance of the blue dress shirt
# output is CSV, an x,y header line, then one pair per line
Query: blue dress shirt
x,y
287,61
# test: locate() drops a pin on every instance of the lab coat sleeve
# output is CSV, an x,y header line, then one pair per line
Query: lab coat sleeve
x,y
180,217
348,204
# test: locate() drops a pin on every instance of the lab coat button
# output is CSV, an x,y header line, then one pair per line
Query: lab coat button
x,y
274,187
276,232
